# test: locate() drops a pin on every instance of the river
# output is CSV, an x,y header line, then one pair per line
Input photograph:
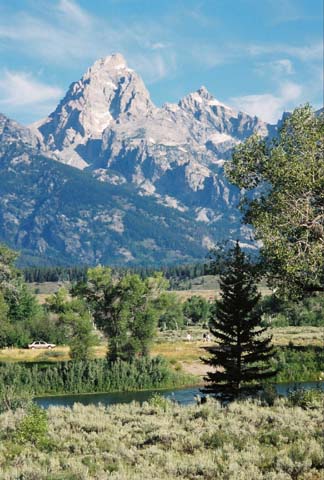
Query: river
x,y
184,396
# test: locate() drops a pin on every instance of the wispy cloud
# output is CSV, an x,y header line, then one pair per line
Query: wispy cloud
x,y
66,33
19,89
212,56
63,33
160,45
153,65
269,106
307,53
74,13
276,68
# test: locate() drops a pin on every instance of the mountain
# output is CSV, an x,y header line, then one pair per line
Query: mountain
x,y
109,177
11,132
107,124
56,214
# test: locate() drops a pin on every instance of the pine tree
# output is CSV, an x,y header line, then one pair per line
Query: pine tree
x,y
240,357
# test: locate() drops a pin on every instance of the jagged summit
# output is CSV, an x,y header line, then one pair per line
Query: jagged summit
x,y
200,99
116,60
108,91
11,131
107,123
106,67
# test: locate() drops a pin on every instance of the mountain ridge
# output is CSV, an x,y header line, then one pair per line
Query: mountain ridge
x,y
56,214
107,124
162,166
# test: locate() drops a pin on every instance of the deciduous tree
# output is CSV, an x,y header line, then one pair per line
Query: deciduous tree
x,y
124,309
283,199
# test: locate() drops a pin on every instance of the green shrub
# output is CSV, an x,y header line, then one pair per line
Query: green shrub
x,y
216,439
33,427
298,364
159,402
300,397
243,441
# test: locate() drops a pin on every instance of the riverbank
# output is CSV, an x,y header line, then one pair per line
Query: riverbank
x,y
91,376
293,363
160,440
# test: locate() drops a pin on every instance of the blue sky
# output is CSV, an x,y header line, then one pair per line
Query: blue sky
x,y
260,56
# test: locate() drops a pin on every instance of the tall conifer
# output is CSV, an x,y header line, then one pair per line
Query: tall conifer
x,y
240,359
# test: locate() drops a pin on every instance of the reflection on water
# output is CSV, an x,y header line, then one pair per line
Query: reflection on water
x,y
183,397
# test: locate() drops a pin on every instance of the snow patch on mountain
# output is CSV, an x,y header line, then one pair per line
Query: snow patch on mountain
x,y
108,125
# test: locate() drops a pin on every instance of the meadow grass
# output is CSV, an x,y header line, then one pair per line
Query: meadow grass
x,y
171,344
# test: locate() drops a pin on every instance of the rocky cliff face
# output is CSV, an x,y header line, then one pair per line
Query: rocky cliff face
x,y
152,187
108,124
11,131
56,214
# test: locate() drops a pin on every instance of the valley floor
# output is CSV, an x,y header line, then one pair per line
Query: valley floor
x,y
173,346
161,440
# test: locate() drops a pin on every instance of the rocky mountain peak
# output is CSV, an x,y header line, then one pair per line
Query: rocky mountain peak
x,y
11,131
107,93
170,158
200,100
116,60
204,93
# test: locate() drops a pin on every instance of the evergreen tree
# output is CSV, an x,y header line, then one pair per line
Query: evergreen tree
x,y
240,357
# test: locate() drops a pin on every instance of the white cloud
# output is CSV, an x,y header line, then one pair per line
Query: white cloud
x,y
276,70
211,57
283,66
65,33
283,11
305,53
18,89
267,106
160,45
154,66
74,13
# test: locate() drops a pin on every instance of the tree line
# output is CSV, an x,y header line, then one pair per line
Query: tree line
x,y
174,273
127,308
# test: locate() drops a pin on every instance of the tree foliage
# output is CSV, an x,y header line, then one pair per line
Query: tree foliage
x,y
240,357
196,309
74,318
21,317
8,272
286,208
124,308
170,311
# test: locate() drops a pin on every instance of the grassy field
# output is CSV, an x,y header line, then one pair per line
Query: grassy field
x,y
172,345
161,440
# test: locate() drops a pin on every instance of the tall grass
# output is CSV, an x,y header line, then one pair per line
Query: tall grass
x,y
91,376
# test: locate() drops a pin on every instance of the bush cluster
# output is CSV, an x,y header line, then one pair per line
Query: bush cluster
x,y
298,364
161,440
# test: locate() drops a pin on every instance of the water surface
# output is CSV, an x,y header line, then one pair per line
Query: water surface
x,y
184,396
